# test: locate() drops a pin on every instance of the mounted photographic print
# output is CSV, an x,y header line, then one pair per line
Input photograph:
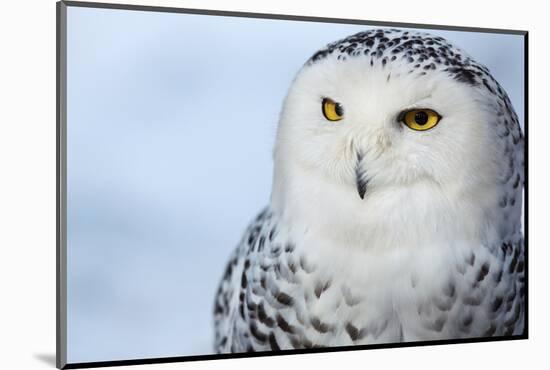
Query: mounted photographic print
x,y
235,184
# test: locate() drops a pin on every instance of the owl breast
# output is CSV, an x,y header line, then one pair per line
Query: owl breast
x,y
288,292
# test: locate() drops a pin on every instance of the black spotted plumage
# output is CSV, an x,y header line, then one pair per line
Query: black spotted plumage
x,y
259,316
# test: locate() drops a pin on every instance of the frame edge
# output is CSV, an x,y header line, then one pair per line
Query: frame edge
x,y
61,197
288,17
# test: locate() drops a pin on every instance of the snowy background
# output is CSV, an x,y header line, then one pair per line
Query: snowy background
x,y
171,122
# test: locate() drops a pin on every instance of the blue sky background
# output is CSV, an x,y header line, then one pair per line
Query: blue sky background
x,y
171,123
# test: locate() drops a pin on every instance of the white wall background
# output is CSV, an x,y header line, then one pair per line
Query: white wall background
x,y
27,196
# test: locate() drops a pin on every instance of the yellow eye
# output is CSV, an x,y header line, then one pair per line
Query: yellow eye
x,y
332,110
421,119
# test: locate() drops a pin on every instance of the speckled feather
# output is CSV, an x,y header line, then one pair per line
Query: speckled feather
x,y
281,291
270,292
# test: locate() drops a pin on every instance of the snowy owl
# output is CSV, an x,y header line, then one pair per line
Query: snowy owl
x,y
395,213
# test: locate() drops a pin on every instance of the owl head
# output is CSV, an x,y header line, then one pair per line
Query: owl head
x,y
391,127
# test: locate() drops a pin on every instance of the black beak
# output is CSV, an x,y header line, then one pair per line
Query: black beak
x,y
361,180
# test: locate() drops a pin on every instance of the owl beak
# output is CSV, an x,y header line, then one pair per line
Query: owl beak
x,y
361,180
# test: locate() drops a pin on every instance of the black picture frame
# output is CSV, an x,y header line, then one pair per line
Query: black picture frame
x,y
61,185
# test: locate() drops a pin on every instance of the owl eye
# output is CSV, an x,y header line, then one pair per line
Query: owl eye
x,y
420,119
332,110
